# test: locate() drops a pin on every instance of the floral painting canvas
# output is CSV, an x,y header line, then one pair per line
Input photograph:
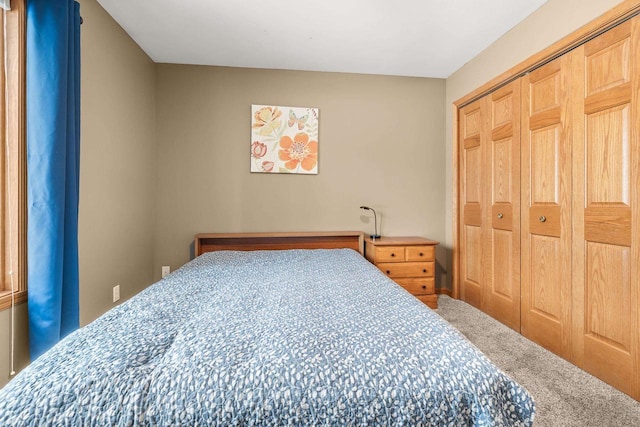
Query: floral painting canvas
x,y
284,139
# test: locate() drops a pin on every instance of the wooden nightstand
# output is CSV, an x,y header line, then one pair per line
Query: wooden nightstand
x,y
409,261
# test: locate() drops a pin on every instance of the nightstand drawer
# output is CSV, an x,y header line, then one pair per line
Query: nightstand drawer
x,y
418,286
409,261
407,269
420,253
390,254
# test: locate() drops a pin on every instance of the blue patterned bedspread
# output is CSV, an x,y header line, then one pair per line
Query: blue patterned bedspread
x,y
301,337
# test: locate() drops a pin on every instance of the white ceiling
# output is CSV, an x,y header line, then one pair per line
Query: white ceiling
x,y
423,38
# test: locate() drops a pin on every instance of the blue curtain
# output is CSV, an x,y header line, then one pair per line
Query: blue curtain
x,y
53,155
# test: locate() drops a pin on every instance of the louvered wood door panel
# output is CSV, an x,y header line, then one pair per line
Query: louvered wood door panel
x,y
546,207
502,279
606,168
472,197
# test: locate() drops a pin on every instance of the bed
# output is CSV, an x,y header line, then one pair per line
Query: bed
x,y
267,337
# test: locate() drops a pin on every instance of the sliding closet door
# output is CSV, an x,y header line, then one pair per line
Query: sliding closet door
x,y
546,207
606,166
502,278
472,195
490,195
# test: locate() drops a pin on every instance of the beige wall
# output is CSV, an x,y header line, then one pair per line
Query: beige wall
x,y
116,177
21,342
381,143
551,22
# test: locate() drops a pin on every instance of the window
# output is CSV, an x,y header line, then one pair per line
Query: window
x,y
12,156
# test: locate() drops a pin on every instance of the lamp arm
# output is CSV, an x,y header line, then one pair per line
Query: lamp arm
x,y
375,223
375,234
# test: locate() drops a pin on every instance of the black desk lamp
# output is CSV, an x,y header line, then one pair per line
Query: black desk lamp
x,y
375,234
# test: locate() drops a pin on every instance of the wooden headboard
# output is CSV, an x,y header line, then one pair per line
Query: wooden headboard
x,y
208,242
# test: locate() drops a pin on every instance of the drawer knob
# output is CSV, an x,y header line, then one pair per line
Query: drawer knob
x,y
500,216
421,254
424,286
424,270
542,218
388,272
392,254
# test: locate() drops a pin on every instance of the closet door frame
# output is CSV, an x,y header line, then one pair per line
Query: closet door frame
x,y
610,19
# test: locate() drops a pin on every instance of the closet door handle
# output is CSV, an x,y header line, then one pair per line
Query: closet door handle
x,y
500,216
542,218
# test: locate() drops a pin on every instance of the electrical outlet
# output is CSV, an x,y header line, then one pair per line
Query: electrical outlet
x,y
116,293
165,270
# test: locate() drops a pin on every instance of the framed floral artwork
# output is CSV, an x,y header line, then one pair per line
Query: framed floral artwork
x,y
284,139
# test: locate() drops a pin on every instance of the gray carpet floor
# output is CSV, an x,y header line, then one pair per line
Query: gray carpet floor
x,y
564,394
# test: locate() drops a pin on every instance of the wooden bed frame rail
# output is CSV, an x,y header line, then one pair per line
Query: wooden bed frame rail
x,y
208,242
